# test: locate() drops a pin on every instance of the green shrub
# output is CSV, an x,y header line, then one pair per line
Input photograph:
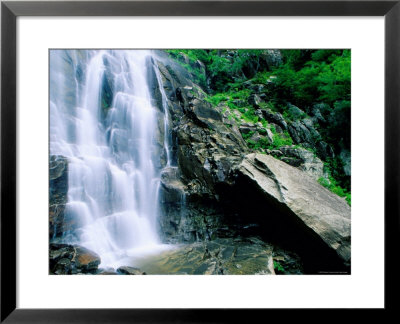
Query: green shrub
x,y
278,267
280,140
332,185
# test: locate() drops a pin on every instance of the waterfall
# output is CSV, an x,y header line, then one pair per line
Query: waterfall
x,y
108,137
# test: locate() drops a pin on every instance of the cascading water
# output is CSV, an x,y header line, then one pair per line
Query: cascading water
x,y
114,174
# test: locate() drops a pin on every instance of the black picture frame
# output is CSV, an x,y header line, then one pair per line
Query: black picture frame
x,y
10,10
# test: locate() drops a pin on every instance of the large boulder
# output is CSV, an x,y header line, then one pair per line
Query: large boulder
x,y
85,260
317,211
72,259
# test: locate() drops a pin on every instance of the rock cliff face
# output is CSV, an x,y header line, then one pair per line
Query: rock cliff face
x,y
218,189
206,151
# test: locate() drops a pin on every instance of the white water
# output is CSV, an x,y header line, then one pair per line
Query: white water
x,y
113,174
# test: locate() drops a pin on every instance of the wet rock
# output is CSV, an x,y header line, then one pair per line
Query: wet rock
x,y
125,270
58,195
59,252
63,266
107,273
72,259
85,260
192,217
222,256
172,188
107,90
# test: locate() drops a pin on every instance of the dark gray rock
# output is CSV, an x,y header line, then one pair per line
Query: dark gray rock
x,y
58,196
255,100
300,133
317,112
273,57
125,270
324,150
246,129
72,259
295,112
255,137
286,262
345,157
275,118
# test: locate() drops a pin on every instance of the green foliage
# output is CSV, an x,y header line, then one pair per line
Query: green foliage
x,y
288,115
217,98
263,77
249,116
263,143
278,267
338,127
314,76
248,135
264,123
333,186
192,54
311,76
280,140
224,68
334,167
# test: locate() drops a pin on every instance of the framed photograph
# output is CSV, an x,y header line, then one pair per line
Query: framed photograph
x,y
181,160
